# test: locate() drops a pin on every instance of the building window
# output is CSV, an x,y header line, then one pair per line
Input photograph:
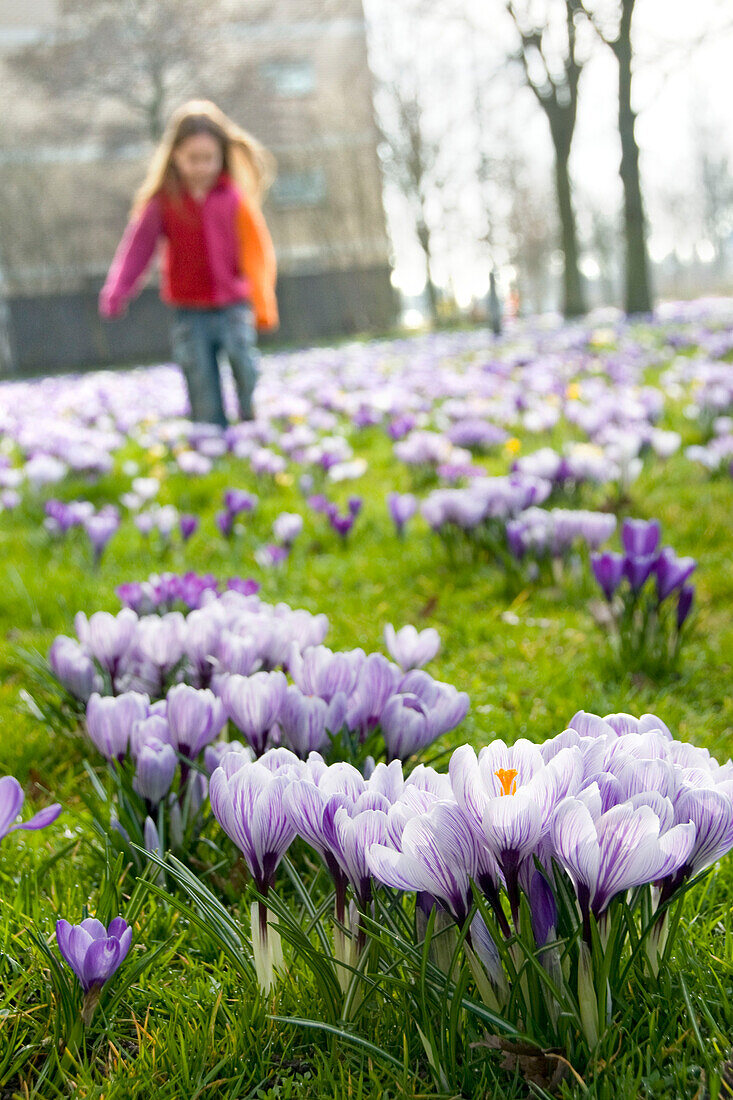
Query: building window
x,y
303,188
289,77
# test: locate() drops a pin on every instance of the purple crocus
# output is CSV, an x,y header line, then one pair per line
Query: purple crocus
x,y
340,524
406,726
100,528
271,555
73,667
225,522
608,569
244,585
11,802
110,720
640,538
411,648
402,507
377,681
320,671
195,717
155,767
107,637
319,503
187,524
672,572
684,604
237,501
253,703
94,953
638,569
304,722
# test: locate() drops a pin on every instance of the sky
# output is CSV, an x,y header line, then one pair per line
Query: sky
x,y
683,85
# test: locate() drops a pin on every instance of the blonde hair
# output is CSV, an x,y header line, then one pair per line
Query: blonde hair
x,y
245,159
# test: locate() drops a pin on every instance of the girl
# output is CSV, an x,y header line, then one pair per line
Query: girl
x,y
201,195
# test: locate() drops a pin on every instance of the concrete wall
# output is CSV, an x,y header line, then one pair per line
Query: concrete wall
x,y
62,332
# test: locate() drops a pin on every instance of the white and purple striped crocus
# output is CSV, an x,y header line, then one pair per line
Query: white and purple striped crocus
x,y
247,801
254,703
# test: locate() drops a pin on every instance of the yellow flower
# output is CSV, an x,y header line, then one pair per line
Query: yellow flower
x,y
283,479
513,446
573,391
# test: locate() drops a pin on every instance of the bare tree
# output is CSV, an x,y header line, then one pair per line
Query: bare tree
x,y
637,291
553,76
142,54
715,189
410,158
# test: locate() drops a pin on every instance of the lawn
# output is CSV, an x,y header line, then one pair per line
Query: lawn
x,y
528,652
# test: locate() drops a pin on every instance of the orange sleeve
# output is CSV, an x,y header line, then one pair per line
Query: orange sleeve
x,y
257,262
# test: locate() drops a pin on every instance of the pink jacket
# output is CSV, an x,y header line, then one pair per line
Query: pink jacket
x,y
216,252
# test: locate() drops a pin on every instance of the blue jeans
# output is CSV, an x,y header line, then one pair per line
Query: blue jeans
x,y
197,337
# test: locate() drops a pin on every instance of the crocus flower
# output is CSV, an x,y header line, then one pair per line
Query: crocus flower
x,y
155,767
672,572
271,555
237,501
195,717
253,703
320,671
187,525
438,855
508,795
377,681
402,507
340,524
225,523
287,527
406,726
304,722
608,569
107,637
247,801
100,529
94,953
637,570
73,666
411,648
244,585
711,811
11,802
640,537
110,720
608,853
160,640
684,604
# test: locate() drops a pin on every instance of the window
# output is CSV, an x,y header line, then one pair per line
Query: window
x,y
289,77
304,188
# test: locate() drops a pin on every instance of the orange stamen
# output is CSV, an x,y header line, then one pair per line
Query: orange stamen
x,y
508,779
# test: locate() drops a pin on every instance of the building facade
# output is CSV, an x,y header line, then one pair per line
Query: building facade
x,y
83,94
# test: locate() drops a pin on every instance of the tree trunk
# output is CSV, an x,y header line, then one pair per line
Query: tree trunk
x,y
423,235
573,297
637,295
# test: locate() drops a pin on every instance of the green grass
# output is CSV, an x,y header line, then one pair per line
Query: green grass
x,y
192,1024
